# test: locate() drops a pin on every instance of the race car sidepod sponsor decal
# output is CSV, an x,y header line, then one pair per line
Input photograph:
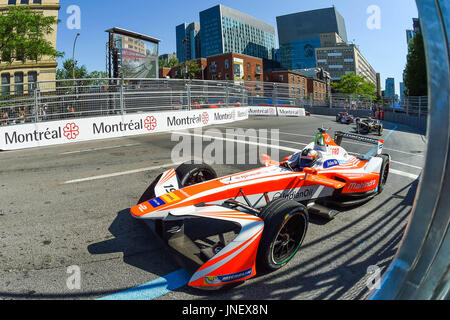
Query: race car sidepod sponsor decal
x,y
304,193
157,202
331,163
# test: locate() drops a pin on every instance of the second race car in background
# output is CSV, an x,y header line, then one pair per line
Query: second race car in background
x,y
345,118
369,125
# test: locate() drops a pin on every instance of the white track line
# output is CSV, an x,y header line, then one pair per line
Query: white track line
x,y
123,173
99,149
404,174
269,146
401,173
346,142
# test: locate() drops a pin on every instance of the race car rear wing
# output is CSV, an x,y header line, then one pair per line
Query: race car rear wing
x,y
339,136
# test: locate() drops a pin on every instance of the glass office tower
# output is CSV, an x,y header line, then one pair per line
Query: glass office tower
x,y
188,41
223,30
299,35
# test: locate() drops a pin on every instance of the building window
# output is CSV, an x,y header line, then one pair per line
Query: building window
x,y
24,1
32,80
37,1
213,67
281,77
12,2
18,83
227,64
6,81
248,65
249,78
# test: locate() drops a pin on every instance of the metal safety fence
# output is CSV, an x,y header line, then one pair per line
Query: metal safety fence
x,y
61,99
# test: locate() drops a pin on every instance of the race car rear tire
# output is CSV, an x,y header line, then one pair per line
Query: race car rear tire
x,y
380,130
384,172
285,227
190,173
150,192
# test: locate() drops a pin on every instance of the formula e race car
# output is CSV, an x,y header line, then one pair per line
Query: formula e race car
x,y
225,229
345,117
369,125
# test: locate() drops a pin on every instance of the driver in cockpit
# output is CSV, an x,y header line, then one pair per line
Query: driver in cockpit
x,y
305,159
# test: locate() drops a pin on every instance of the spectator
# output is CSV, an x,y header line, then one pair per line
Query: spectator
x,y
21,115
4,118
13,116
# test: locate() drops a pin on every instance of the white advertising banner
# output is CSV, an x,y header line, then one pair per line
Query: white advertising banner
x,y
280,111
269,111
76,130
291,112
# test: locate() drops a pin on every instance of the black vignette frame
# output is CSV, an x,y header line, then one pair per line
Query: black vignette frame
x,y
421,269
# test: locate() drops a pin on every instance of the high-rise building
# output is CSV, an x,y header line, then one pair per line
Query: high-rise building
x,y
188,41
390,88
340,58
410,34
14,76
378,85
299,35
224,30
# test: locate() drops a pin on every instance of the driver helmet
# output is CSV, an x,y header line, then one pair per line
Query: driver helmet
x,y
308,158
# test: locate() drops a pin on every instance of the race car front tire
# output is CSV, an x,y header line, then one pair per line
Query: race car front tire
x,y
191,173
285,227
384,172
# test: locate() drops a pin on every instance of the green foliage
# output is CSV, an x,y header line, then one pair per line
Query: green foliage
x,y
353,84
23,35
173,62
190,70
415,78
81,72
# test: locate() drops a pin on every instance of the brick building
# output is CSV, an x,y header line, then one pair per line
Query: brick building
x,y
288,77
235,67
317,89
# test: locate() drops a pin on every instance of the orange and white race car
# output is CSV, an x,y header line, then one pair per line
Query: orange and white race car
x,y
228,228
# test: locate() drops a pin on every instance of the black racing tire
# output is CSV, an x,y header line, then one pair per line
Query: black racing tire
x,y
285,227
150,192
191,173
380,130
384,172
338,119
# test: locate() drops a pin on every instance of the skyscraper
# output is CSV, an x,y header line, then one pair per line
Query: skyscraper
x,y
223,30
299,35
188,41
390,88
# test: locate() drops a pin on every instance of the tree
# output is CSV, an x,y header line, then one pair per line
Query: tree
x,y
23,34
415,78
353,84
172,62
81,72
189,69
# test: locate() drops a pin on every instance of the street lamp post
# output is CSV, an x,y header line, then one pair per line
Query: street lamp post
x,y
73,56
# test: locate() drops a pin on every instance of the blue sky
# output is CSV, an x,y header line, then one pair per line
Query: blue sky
x,y
384,48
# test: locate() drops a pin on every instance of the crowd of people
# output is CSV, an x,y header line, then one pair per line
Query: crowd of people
x,y
12,116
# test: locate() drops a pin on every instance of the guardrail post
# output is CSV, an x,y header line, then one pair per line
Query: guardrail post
x,y
122,99
275,95
36,105
227,95
420,107
188,89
